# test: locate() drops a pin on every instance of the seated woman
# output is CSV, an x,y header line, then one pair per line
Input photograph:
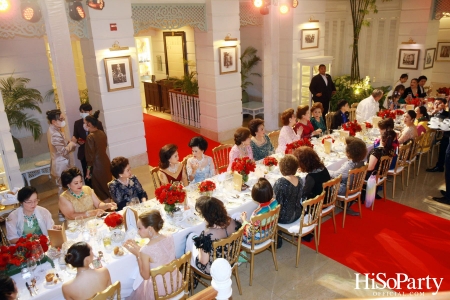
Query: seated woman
x,y
383,125
356,151
393,101
411,92
160,250
199,166
170,169
260,142
126,186
79,200
88,282
422,119
397,92
29,217
409,132
287,133
241,146
309,162
218,226
8,288
307,129
317,119
386,148
262,193
341,116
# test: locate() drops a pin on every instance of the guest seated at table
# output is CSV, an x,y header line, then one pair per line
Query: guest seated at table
x,y
304,116
88,282
218,226
29,217
79,200
316,118
126,186
260,142
241,148
386,148
170,168
356,152
439,109
341,116
383,125
411,92
398,92
159,251
8,288
403,78
393,101
422,119
369,107
262,193
287,133
409,132
199,166
309,162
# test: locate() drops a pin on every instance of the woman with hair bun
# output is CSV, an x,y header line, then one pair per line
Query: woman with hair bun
x,y
88,282
8,288
98,165
160,250
170,168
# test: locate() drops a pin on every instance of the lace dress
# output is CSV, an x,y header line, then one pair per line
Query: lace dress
x,y
161,253
263,150
290,199
202,173
123,193
287,136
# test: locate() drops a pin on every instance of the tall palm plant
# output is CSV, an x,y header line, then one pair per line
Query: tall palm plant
x,y
249,59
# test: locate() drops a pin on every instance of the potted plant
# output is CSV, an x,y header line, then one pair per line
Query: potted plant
x,y
249,59
187,84
18,98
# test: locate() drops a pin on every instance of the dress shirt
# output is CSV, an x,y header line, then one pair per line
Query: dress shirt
x,y
367,109
324,79
287,136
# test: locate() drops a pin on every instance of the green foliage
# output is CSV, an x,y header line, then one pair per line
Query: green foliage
x,y
188,83
17,98
249,59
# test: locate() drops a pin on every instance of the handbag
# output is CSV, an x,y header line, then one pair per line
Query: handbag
x,y
371,189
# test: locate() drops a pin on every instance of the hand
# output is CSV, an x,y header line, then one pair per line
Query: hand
x,y
57,227
88,174
74,139
194,166
112,206
81,142
131,246
319,95
318,131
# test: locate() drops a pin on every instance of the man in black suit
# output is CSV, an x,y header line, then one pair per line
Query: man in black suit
x,y
322,88
441,113
80,134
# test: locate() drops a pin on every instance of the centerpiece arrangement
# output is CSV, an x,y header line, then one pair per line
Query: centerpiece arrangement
x,y
297,144
206,188
368,125
243,166
114,221
170,194
328,137
270,162
414,101
443,90
352,127
390,113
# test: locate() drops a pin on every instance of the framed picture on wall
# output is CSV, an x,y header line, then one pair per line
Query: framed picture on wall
x,y
228,59
443,51
408,59
429,58
309,38
119,73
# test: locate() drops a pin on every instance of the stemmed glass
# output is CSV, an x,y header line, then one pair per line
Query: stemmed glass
x,y
31,265
37,253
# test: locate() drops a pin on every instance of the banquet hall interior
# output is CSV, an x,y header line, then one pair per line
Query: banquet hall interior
x,y
135,61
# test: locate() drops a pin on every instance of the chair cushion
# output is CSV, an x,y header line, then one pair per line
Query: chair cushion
x,y
257,246
399,170
327,209
294,227
349,196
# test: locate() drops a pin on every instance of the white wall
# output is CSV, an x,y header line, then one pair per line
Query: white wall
x,y
441,70
253,36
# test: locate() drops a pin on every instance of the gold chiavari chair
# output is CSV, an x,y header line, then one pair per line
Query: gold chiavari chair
x,y
403,154
425,147
382,173
415,144
273,136
437,141
109,293
155,178
331,189
221,157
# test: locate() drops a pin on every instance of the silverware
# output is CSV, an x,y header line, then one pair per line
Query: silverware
x,y
33,284
57,275
29,289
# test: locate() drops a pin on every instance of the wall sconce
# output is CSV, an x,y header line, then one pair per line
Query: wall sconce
x,y
312,20
116,47
96,4
76,11
410,41
31,11
228,38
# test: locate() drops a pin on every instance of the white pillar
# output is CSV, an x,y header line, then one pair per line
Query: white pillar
x,y
221,278
220,95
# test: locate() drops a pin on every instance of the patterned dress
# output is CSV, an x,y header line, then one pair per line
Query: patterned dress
x,y
201,173
319,124
290,199
82,204
122,194
264,150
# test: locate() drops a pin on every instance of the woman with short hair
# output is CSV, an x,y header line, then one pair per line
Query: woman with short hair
x,y
170,168
241,148
287,133
200,166
317,120
260,141
304,125
341,116
409,132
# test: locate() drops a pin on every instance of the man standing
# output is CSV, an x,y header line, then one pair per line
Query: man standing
x,y
369,107
322,88
422,80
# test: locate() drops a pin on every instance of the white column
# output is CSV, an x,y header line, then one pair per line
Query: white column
x,y
220,95
121,111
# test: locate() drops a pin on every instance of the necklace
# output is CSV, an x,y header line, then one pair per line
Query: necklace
x,y
75,195
81,271
243,149
173,169
199,162
30,220
154,237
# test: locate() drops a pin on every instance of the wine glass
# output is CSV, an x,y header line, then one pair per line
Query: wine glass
x,y
80,223
32,265
134,202
38,254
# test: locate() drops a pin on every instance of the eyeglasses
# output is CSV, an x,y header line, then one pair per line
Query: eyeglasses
x,y
61,119
32,202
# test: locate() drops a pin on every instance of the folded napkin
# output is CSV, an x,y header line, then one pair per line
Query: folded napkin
x,y
130,216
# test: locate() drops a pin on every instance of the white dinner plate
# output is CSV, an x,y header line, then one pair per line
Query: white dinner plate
x,y
51,285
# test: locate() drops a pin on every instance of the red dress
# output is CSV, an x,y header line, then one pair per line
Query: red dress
x,y
307,129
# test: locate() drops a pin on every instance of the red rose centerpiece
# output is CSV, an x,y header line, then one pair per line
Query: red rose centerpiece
x,y
243,166
297,144
170,194
206,187
352,127
114,220
270,162
444,90
368,125
390,113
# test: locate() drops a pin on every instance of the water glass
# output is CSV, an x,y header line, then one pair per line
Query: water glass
x,y
107,240
134,202
31,265
25,271
80,223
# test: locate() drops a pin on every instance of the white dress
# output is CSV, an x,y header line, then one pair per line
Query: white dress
x,y
287,136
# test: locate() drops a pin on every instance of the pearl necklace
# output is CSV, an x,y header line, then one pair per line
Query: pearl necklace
x,y
199,162
173,169
75,195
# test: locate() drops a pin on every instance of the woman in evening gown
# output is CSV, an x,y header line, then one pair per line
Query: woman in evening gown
x,y
170,169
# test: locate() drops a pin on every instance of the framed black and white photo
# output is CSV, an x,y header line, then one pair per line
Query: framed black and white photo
x,y
443,51
408,59
310,38
429,58
228,59
119,73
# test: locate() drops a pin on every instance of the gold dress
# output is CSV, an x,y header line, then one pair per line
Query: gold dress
x,y
82,204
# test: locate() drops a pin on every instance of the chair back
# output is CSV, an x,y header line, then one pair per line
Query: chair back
x,y
402,157
331,188
221,157
329,120
415,145
439,135
263,226
113,289
155,178
174,275
355,180
185,159
229,248
273,136
352,114
354,105
312,209
383,167
427,140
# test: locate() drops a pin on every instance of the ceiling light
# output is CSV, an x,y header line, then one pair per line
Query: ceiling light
x,y
76,11
258,3
31,11
96,4
284,9
4,5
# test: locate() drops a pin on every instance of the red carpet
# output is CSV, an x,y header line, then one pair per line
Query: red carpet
x,y
391,239
159,132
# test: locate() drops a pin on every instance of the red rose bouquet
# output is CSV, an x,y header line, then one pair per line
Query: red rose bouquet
x,y
169,194
444,90
414,101
368,125
352,127
206,186
270,161
18,254
114,220
297,144
243,166
399,112
328,137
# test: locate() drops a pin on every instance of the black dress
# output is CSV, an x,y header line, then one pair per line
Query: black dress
x,y
378,153
313,183
289,197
